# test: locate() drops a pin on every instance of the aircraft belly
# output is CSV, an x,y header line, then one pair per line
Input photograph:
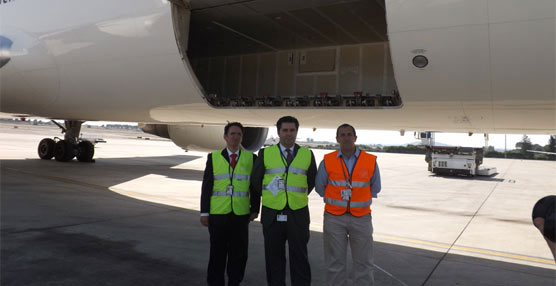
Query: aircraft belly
x,y
524,73
385,119
107,64
496,60
490,68
416,15
30,78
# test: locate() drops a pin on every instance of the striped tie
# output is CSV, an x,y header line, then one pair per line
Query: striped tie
x,y
289,157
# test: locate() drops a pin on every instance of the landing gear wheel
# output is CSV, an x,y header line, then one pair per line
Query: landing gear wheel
x,y
63,151
46,149
85,151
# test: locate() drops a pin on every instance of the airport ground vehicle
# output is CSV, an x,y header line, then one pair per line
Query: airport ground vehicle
x,y
457,160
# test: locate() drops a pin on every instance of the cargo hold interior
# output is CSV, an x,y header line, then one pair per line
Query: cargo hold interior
x,y
289,54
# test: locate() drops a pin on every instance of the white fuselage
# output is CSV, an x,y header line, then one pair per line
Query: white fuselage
x,y
491,67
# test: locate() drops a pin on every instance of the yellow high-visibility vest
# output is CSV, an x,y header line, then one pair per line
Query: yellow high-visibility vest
x,y
295,177
222,202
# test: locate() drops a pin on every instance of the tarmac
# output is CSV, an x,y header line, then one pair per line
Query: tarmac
x,y
132,218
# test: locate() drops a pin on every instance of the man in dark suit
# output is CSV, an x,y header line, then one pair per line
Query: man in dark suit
x,y
226,208
284,175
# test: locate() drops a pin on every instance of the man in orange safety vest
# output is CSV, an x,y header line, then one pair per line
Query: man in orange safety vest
x,y
348,179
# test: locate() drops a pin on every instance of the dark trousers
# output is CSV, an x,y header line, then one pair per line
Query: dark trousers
x,y
296,232
229,240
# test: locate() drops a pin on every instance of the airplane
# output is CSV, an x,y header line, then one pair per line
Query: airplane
x,y
541,152
184,68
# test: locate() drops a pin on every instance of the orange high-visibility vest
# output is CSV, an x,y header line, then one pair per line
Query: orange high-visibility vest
x,y
361,196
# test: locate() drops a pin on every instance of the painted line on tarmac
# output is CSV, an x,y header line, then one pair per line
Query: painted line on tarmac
x,y
315,226
99,187
383,236
135,195
468,249
480,251
389,274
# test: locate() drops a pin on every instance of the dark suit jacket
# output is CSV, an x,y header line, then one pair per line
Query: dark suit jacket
x,y
268,215
208,183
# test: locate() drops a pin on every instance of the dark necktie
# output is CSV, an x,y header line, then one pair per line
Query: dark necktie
x,y
289,157
234,160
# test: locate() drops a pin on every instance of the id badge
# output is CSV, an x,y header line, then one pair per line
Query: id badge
x,y
229,190
346,194
281,184
282,217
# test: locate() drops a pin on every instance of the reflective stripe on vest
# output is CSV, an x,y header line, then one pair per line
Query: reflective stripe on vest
x,y
295,194
345,203
234,194
291,189
238,202
353,183
281,170
361,195
238,177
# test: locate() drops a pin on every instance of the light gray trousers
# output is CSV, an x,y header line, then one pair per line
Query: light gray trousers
x,y
338,230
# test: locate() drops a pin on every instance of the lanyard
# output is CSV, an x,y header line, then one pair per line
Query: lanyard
x,y
234,169
344,169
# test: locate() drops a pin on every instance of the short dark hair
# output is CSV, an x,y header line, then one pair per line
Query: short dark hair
x,y
287,119
227,127
345,125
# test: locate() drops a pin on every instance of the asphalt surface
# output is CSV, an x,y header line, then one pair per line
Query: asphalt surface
x,y
131,218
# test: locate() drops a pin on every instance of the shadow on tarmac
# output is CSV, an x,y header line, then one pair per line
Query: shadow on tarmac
x,y
491,178
54,233
114,171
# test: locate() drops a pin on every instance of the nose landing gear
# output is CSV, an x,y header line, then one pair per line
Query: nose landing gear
x,y
68,148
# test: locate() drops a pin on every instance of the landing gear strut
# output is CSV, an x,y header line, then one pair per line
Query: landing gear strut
x,y
68,148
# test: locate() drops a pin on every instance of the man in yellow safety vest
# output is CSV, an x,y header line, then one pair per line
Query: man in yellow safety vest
x,y
226,207
284,174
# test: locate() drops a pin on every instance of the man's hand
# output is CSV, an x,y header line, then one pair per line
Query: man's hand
x,y
205,220
253,216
